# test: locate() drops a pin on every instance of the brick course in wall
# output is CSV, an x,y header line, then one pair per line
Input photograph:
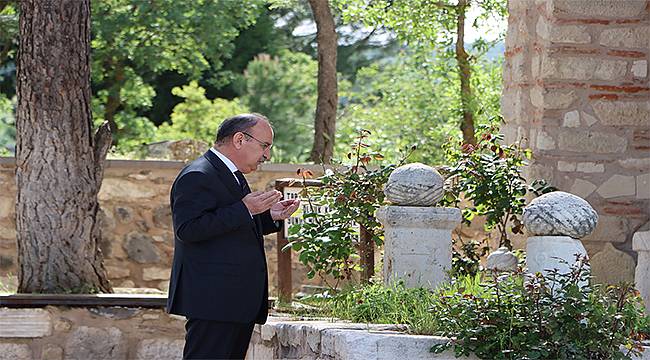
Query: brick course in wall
x,y
576,87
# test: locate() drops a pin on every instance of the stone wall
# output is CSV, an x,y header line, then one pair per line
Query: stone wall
x,y
137,238
56,333
120,333
576,87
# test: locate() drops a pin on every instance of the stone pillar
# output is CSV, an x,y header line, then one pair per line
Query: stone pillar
x,y
417,236
641,244
417,244
552,252
556,221
576,86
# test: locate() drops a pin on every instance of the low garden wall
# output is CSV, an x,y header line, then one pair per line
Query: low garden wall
x,y
137,238
124,332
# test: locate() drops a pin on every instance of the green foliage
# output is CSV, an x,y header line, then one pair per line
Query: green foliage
x,y
7,124
132,40
197,117
510,315
420,22
519,316
284,89
420,92
431,27
351,196
167,35
8,31
488,175
376,303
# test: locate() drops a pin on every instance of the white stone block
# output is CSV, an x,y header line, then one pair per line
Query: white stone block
x,y
566,166
642,164
417,244
618,113
643,186
545,141
96,343
640,68
24,323
571,119
544,253
627,37
502,259
617,185
154,349
9,351
641,244
582,188
589,120
590,167
597,8
591,142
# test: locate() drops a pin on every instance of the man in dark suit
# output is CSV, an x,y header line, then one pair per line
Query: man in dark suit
x,y
219,280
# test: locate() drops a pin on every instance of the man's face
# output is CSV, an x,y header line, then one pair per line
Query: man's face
x,y
255,147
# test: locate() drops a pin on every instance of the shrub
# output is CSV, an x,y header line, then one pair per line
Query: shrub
x,y
561,316
326,242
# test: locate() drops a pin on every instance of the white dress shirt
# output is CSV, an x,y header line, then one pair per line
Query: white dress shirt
x,y
231,166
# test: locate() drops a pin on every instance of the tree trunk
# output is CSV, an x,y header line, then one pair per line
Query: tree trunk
x,y
325,121
466,97
59,164
367,254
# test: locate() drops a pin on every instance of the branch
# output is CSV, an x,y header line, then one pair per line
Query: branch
x,y
101,144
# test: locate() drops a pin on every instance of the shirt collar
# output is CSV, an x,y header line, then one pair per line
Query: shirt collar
x,y
231,166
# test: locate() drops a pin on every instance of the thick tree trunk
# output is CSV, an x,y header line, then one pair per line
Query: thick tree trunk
x,y
467,124
59,164
325,121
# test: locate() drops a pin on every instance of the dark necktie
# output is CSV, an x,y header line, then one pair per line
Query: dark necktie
x,y
242,182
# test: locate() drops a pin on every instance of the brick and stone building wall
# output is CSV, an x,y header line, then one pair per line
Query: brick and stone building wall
x,y
137,237
576,87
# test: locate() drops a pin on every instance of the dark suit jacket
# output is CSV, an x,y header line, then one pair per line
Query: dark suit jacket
x,y
219,268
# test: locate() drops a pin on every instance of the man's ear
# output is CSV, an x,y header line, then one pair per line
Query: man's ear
x,y
238,140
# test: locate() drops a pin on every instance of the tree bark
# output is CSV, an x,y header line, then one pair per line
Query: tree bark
x,y
325,120
59,163
464,70
367,254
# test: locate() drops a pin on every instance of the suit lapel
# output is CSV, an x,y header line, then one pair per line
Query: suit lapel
x,y
224,173
231,183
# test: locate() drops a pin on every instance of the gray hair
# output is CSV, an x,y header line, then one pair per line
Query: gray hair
x,y
237,123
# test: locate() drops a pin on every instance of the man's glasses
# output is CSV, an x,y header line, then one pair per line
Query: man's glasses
x,y
264,144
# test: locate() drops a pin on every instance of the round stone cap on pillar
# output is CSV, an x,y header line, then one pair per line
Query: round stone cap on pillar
x,y
560,213
414,184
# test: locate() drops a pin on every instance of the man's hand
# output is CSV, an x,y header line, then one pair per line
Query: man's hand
x,y
259,201
283,209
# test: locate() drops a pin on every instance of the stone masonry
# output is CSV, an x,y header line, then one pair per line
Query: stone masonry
x,y
137,237
576,87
